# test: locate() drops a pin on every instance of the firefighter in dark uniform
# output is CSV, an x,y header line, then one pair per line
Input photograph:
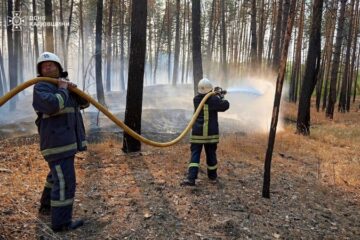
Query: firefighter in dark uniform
x,y
62,135
205,132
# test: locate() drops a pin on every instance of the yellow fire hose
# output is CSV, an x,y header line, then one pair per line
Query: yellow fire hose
x,y
118,122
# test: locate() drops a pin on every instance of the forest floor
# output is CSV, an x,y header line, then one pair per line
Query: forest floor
x,y
315,188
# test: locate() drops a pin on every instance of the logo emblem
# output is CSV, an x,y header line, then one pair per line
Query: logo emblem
x,y
16,21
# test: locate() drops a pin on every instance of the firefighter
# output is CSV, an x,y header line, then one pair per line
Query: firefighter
x,y
205,132
62,135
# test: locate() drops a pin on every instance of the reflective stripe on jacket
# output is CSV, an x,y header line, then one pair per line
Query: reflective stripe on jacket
x,y
60,124
206,127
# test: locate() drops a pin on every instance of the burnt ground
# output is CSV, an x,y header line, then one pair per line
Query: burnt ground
x,y
315,188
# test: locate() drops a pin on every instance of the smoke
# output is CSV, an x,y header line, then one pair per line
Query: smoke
x,y
168,108
252,103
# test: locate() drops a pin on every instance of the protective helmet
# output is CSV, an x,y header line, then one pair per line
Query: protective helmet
x,y
48,56
204,86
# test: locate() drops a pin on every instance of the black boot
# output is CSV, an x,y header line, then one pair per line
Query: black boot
x,y
188,182
70,226
45,209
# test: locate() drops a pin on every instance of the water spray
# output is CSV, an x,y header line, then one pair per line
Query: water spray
x,y
246,90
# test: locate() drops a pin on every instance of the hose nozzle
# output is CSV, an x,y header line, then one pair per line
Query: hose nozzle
x,y
219,91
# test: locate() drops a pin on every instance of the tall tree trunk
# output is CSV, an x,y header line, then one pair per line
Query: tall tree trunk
x,y
177,44
285,14
49,35
36,41
12,60
297,63
196,44
62,33
81,34
98,53
122,53
208,46
68,35
276,52
109,50
168,18
18,48
276,107
332,24
2,79
326,60
356,76
261,31
188,43
352,65
346,76
224,48
2,72
136,74
3,23
335,65
311,70
253,34
157,51
183,45
272,27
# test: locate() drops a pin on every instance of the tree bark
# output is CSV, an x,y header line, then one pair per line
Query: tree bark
x,y
98,53
81,34
177,44
356,76
18,49
285,14
62,32
49,35
136,74
68,34
253,34
208,46
183,45
36,41
311,70
261,32
109,49
2,79
276,107
351,77
196,44
224,45
12,60
335,65
169,35
122,53
158,47
346,77
2,72
297,63
331,24
276,52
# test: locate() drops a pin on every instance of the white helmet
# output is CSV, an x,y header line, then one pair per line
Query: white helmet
x,y
48,56
204,86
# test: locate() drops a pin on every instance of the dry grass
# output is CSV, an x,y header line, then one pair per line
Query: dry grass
x,y
333,144
315,188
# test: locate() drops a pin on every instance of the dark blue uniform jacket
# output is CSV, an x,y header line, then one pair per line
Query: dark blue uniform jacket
x,y
60,124
206,127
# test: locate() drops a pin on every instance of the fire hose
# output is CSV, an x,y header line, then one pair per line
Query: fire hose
x,y
118,122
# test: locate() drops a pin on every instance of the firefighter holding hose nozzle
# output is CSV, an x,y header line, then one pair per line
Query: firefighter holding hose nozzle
x,y
62,135
205,132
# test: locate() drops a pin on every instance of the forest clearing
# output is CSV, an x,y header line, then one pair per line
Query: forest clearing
x,y
269,88
315,191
